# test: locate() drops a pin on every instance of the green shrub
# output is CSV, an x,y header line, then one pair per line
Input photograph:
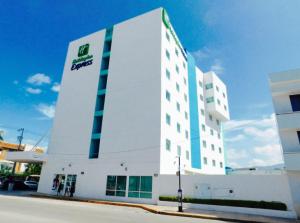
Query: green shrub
x,y
274,205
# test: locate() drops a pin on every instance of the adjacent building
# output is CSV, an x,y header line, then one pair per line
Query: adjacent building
x,y
131,101
285,89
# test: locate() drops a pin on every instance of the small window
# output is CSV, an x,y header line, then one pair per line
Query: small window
x,y
184,81
185,97
209,86
168,37
201,97
203,128
212,132
219,102
140,187
205,160
168,145
179,150
204,143
295,102
177,69
178,106
210,117
186,134
210,100
184,66
116,186
225,108
187,155
217,88
168,96
200,84
168,75
219,135
168,119
213,162
186,115
224,96
220,150
212,147
218,121
298,133
202,112
176,51
168,54
178,127
221,165
177,87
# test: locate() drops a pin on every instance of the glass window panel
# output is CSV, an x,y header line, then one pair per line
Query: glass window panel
x,y
110,193
146,183
120,193
145,195
133,194
121,182
111,182
134,183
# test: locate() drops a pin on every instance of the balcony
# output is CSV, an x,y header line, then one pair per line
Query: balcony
x,y
292,160
289,120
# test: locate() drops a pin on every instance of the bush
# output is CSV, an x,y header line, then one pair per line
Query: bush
x,y
274,205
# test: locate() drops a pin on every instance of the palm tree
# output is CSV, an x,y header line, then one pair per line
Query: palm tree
x,y
33,168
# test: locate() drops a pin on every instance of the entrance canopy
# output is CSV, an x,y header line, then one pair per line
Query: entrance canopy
x,y
26,157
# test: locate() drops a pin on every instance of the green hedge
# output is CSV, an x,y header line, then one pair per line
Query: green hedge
x,y
236,203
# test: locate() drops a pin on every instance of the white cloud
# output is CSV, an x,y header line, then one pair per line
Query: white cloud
x,y
33,90
217,67
272,153
56,87
39,79
46,110
16,82
202,54
262,135
236,138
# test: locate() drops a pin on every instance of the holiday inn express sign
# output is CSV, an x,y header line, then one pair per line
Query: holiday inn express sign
x,y
84,59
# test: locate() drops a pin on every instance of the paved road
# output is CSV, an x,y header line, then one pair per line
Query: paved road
x,y
36,210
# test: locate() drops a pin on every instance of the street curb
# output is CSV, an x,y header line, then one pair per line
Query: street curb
x,y
152,210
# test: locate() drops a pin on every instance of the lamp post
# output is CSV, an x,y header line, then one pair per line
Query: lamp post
x,y
179,188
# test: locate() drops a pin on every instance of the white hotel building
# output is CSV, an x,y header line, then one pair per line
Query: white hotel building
x,y
131,101
285,89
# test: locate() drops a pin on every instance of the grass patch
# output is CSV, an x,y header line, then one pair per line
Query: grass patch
x,y
273,205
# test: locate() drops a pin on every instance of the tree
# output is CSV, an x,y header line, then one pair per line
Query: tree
x,y
33,168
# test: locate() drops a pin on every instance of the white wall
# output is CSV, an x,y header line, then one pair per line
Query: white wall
x,y
245,187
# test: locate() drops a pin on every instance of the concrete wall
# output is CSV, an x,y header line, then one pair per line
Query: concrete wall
x,y
244,187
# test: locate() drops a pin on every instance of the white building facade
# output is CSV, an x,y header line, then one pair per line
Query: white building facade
x,y
131,102
285,89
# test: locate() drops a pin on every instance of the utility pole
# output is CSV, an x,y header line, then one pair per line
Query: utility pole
x,y
179,188
20,138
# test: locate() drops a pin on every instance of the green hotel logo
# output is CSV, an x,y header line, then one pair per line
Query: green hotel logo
x,y
84,59
83,50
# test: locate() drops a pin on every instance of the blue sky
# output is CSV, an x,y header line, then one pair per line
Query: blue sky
x,y
243,41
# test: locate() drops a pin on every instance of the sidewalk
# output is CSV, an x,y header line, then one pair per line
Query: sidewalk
x,y
166,210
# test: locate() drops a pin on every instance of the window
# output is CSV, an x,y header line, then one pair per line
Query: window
x,y
219,102
187,155
186,134
168,54
183,63
225,108
203,128
168,96
140,186
177,87
211,132
204,143
224,96
205,160
212,147
168,145
217,88
185,97
200,84
178,127
177,69
116,186
220,150
213,162
168,37
295,102
184,81
298,133
168,119
210,117
176,51
202,112
219,136
218,121
201,97
168,75
221,165
179,150
209,86
210,100
186,115
178,106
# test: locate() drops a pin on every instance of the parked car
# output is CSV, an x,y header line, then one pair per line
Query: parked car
x,y
32,181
